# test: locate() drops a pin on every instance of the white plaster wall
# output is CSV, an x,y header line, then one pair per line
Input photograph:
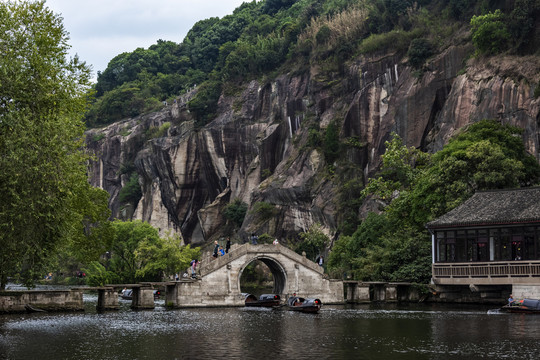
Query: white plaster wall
x,y
526,291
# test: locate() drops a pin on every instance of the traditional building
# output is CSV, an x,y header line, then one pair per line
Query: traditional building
x,y
493,238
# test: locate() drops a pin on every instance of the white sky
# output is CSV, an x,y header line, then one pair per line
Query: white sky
x,y
101,29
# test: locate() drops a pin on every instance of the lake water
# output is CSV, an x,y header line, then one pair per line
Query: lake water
x,y
419,331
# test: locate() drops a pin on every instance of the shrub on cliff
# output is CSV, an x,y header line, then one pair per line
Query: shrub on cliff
x,y
263,211
236,212
419,51
489,33
131,191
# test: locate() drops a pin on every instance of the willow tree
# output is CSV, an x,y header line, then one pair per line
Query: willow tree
x,y
46,202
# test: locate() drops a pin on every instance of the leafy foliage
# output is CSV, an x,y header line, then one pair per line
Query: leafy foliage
x,y
138,253
263,210
261,36
236,212
331,143
313,243
419,51
46,203
98,275
520,23
489,32
416,188
131,191
158,132
164,257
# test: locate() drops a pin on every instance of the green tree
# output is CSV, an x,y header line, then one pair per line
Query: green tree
x,y
419,51
236,212
46,202
138,253
313,242
164,257
131,192
489,32
402,255
400,169
331,143
416,188
348,250
128,236
521,26
485,155
98,275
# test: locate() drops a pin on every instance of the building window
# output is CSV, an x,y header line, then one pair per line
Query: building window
x,y
505,244
528,243
441,247
461,246
482,245
537,243
517,244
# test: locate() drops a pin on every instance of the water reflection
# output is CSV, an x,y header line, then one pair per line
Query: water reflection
x,y
337,332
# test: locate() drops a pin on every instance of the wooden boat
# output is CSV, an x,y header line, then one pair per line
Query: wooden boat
x,y
31,309
128,294
265,300
297,303
525,306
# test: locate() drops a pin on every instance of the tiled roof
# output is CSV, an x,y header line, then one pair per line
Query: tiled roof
x,y
494,207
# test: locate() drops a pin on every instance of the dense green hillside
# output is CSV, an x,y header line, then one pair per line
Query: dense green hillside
x,y
263,37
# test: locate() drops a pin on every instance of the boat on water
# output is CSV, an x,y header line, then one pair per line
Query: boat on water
x,y
525,306
128,294
265,300
297,303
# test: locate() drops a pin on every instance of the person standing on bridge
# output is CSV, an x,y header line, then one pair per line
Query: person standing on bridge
x,y
228,245
194,264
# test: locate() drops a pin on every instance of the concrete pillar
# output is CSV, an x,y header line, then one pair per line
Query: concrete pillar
x,y
107,299
379,292
143,298
171,291
362,293
390,292
229,281
351,292
296,280
357,292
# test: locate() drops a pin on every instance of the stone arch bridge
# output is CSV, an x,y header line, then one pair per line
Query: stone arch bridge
x,y
219,281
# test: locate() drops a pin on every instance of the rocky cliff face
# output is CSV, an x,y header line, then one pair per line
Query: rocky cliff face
x,y
256,149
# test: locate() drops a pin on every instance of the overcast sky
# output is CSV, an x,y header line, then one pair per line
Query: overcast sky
x,y
101,29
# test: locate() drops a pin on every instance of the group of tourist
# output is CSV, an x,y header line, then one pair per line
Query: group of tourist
x,y
218,249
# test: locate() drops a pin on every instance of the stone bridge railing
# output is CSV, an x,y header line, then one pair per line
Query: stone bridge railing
x,y
211,264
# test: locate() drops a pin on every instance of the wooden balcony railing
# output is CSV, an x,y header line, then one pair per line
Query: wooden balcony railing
x,y
496,272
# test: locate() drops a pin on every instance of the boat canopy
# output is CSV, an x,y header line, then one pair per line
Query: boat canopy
x,y
532,304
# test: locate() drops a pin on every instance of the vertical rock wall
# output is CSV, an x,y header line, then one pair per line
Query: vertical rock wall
x,y
257,149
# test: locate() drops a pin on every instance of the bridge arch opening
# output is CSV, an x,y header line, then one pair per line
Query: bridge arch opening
x,y
279,275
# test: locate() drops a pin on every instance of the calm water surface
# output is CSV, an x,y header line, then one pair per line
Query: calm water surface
x,y
420,331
